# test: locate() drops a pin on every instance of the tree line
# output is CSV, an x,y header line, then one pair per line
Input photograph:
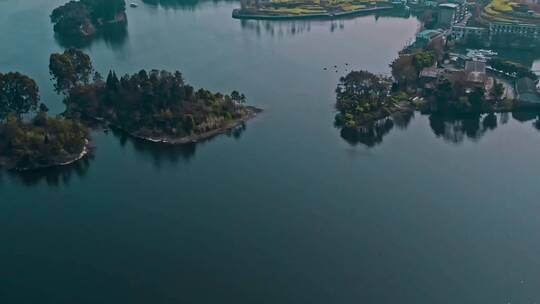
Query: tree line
x,y
148,103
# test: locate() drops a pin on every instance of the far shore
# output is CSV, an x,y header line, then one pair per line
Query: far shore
x,y
238,14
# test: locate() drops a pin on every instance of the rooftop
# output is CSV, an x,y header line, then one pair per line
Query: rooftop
x,y
428,34
449,5
431,72
475,71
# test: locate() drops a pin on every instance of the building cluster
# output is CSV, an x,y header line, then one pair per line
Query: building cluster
x,y
508,29
472,76
449,12
452,13
471,69
454,16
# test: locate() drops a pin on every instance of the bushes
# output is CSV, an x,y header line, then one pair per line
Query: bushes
x,y
44,141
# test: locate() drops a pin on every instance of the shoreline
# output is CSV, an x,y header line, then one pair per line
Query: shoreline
x,y
402,108
195,138
237,14
167,140
69,160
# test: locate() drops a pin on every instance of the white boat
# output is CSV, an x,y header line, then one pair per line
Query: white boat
x,y
133,4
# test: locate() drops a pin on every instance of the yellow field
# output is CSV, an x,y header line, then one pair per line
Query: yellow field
x,y
298,7
507,10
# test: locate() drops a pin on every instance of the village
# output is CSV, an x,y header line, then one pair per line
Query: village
x,y
462,37
449,70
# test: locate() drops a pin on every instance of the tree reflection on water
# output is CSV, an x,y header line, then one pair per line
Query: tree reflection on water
x,y
169,154
452,129
55,176
114,35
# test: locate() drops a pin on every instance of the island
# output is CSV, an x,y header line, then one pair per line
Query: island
x,y
364,98
84,19
294,9
156,106
29,138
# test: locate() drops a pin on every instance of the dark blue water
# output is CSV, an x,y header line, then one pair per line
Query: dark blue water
x,y
286,211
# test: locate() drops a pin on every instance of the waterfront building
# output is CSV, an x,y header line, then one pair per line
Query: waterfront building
x,y
425,37
531,31
428,77
452,13
462,32
475,73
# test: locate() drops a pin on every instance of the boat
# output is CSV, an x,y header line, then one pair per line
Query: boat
x,y
133,4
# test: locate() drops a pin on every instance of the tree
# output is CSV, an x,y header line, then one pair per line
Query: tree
x,y
238,97
476,98
423,60
404,71
498,90
19,94
97,77
112,82
189,123
70,69
243,98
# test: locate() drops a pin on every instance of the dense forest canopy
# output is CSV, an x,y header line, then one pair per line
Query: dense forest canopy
x,y
69,69
19,94
361,96
37,141
84,17
44,141
149,104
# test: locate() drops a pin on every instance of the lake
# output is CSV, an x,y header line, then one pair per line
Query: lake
x,y
284,211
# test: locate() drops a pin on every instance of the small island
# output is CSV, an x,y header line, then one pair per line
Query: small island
x,y
364,98
29,138
83,19
293,9
156,106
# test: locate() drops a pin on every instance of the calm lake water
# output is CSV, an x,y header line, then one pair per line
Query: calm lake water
x,y
285,211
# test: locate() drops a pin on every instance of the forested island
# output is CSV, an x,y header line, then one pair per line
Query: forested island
x,y
364,98
29,138
157,106
83,19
